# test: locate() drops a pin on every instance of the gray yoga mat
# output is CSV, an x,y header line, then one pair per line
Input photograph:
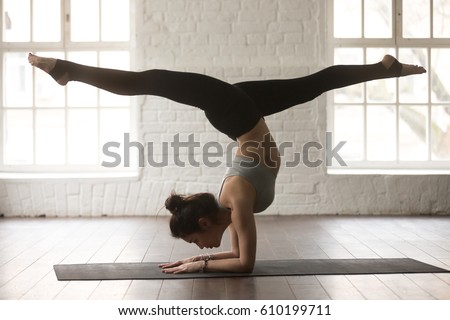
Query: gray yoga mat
x,y
150,270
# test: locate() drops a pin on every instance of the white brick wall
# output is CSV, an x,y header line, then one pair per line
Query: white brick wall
x,y
234,40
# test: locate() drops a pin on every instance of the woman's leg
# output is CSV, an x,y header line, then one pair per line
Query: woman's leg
x,y
193,89
272,96
226,106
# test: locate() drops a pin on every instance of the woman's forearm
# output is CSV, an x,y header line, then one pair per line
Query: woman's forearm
x,y
224,255
228,265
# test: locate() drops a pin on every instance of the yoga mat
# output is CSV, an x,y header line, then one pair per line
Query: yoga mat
x,y
150,270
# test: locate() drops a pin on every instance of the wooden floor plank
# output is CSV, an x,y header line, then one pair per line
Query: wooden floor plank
x,y
34,254
110,290
338,287
403,287
143,290
273,288
336,251
134,251
432,284
360,251
371,287
209,289
176,290
38,270
46,289
36,244
309,292
77,290
240,289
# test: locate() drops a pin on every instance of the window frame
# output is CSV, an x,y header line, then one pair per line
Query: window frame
x,y
396,42
65,45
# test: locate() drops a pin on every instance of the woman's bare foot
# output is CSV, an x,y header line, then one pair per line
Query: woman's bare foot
x,y
403,69
47,65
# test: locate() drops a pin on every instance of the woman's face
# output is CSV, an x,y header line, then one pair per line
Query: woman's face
x,y
210,235
205,239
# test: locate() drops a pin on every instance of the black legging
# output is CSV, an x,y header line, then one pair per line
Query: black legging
x,y
232,109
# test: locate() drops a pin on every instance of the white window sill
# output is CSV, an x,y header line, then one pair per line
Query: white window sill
x,y
34,176
398,172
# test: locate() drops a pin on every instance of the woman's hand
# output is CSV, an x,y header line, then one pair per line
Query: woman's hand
x,y
188,267
179,262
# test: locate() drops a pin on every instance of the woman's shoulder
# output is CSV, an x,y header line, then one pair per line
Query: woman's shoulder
x,y
237,192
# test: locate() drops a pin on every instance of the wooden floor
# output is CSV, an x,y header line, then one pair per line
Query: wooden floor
x,y
30,247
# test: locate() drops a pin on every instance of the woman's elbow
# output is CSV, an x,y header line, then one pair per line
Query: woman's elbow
x,y
247,267
247,270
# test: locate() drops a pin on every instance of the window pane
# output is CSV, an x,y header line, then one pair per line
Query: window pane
x,y
46,20
16,16
353,93
18,137
413,133
50,137
115,20
349,126
114,123
80,94
414,89
440,77
84,21
347,18
440,132
384,90
441,22
47,92
116,60
18,89
381,133
83,136
378,19
416,19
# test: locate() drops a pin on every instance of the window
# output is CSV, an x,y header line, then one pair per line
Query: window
x,y
395,123
46,127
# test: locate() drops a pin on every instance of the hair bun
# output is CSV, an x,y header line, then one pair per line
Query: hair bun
x,y
174,203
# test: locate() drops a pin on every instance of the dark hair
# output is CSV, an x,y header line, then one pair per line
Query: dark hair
x,y
187,210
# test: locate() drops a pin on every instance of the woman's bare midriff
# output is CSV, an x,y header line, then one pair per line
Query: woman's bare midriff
x,y
260,141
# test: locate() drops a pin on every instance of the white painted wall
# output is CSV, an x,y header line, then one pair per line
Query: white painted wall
x,y
233,40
